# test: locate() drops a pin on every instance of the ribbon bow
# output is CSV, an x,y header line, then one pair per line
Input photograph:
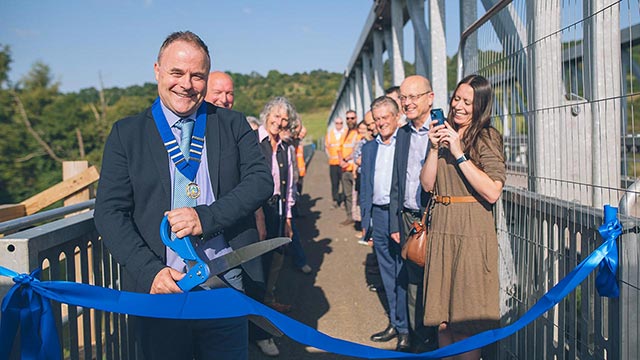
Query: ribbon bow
x,y
25,307
606,282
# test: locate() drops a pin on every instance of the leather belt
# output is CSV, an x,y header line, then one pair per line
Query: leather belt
x,y
446,200
413,212
382,207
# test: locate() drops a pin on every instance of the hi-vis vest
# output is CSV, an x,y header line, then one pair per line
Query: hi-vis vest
x,y
302,167
332,144
347,148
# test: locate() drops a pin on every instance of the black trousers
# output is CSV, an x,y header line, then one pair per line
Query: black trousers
x,y
274,220
335,174
173,339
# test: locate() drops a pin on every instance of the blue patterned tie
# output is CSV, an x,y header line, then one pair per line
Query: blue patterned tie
x,y
180,182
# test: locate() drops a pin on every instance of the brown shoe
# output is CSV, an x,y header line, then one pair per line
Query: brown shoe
x,y
283,308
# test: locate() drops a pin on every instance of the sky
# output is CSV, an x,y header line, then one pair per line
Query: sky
x,y
118,40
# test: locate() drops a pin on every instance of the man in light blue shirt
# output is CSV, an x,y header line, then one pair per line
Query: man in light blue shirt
x,y
375,187
408,199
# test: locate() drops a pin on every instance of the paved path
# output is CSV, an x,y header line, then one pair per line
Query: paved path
x,y
334,299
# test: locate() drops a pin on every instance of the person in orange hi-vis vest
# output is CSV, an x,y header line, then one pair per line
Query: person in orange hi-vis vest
x,y
332,143
302,167
346,163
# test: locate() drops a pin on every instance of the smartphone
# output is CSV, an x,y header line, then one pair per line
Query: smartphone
x,y
438,114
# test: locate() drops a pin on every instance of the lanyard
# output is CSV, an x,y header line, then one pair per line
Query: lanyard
x,y
188,168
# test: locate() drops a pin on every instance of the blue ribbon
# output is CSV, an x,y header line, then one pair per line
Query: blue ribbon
x,y
606,282
26,304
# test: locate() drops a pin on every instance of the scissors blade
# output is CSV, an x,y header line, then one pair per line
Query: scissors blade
x,y
239,256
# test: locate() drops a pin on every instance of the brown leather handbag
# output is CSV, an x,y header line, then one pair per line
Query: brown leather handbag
x,y
415,249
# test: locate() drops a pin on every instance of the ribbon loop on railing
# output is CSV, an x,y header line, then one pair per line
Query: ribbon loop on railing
x,y
27,305
606,281
27,308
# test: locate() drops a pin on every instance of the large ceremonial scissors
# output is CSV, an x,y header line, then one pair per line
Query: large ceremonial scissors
x,y
198,270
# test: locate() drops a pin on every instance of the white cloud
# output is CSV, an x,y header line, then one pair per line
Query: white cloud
x,y
247,10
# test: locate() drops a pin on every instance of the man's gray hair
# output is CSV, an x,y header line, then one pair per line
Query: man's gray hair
x,y
385,101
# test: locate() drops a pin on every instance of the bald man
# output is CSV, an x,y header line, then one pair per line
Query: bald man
x,y
220,90
408,199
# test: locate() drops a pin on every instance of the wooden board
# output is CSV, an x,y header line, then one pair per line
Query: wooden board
x,y
61,190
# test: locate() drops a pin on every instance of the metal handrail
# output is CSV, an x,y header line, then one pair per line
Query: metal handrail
x,y
473,27
27,221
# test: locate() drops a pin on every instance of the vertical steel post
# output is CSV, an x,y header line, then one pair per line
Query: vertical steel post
x,y
438,51
378,66
395,47
469,49
366,80
421,37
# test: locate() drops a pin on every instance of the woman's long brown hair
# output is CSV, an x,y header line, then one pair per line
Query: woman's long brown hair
x,y
481,116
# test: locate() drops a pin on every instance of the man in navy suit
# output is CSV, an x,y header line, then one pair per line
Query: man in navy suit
x,y
375,191
408,200
136,190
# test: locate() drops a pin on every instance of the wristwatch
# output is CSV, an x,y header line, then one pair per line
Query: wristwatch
x,y
461,159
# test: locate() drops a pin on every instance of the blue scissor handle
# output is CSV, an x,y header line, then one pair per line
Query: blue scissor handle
x,y
197,273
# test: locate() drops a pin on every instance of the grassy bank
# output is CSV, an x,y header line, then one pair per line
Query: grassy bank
x,y
316,124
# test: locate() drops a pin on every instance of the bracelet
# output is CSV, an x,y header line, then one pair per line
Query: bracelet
x,y
461,159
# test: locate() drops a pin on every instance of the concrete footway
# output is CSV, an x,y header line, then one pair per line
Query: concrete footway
x,y
334,298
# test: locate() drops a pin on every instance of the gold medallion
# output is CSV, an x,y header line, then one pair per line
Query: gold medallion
x,y
193,190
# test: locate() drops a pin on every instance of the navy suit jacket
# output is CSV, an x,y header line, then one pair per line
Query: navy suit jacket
x,y
135,190
367,173
403,141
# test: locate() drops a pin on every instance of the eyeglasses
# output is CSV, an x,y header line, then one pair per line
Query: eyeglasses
x,y
413,98
339,123
351,118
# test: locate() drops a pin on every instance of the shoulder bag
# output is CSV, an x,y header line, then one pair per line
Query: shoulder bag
x,y
415,249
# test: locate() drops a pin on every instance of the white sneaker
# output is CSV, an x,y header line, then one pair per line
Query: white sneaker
x,y
306,269
268,347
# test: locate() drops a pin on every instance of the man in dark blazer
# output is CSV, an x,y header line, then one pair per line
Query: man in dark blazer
x,y
375,190
408,199
135,192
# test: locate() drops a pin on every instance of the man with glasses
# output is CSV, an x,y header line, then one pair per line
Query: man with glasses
x,y
408,200
332,143
346,164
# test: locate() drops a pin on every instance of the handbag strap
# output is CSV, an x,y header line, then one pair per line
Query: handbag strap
x,y
426,215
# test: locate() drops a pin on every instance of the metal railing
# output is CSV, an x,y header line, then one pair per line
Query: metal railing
x,y
24,222
70,250
565,102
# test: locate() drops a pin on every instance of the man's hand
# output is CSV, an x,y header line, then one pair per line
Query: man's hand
x,y
184,222
165,281
395,237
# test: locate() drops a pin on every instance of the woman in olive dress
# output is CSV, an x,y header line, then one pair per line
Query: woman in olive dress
x,y
466,171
